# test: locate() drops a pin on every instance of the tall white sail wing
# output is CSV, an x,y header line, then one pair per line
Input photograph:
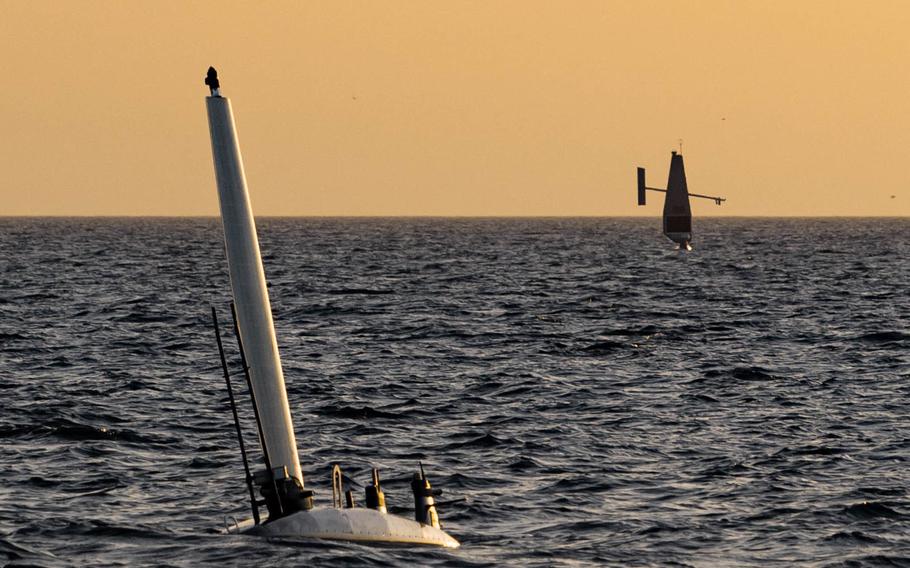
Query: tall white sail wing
x,y
254,313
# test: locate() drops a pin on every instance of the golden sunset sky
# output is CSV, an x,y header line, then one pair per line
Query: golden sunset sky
x,y
457,108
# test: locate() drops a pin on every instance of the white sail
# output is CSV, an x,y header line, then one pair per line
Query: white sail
x,y
254,313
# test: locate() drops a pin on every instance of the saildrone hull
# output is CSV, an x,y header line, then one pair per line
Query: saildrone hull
x,y
357,525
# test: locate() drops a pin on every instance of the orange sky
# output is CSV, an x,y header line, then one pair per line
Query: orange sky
x,y
457,108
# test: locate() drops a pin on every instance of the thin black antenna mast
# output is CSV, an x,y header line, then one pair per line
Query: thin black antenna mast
x,y
227,380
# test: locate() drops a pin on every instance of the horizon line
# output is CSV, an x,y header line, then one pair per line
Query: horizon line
x,y
430,216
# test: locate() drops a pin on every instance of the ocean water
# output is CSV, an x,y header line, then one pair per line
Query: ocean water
x,y
583,394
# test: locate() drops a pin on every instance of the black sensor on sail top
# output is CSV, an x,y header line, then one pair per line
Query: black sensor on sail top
x,y
211,79
677,212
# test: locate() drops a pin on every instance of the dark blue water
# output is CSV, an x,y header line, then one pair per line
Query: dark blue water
x,y
584,394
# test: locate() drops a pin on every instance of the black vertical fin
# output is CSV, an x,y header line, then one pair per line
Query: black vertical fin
x,y
641,186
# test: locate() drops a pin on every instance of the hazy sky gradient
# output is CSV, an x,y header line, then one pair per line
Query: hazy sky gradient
x,y
461,108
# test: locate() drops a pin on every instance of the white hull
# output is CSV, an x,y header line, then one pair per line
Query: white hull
x,y
358,525
680,238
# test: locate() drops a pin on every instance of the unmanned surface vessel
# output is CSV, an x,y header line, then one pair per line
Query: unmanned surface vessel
x,y
291,511
677,212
